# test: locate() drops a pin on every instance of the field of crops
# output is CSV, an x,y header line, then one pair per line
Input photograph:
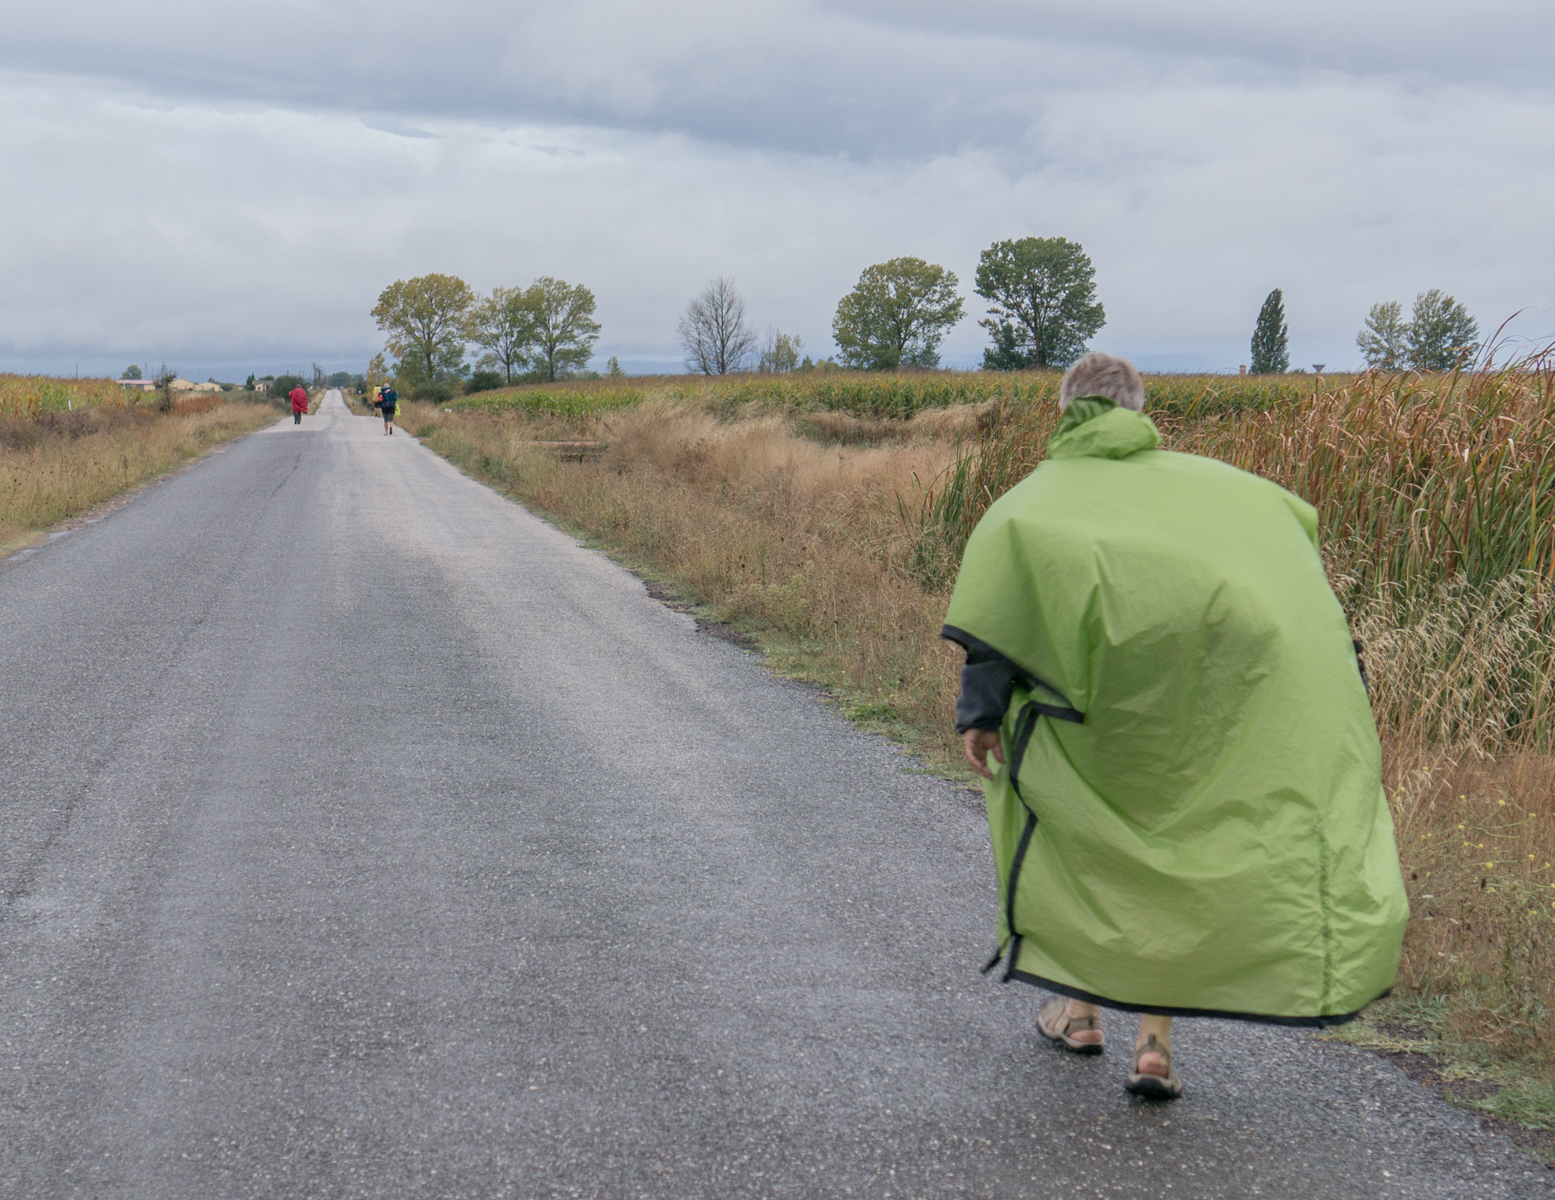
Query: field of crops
x,y
29,395
881,396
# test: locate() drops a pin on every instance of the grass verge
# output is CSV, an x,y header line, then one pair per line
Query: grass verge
x,y
58,465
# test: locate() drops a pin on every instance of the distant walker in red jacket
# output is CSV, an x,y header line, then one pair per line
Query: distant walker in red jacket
x,y
299,399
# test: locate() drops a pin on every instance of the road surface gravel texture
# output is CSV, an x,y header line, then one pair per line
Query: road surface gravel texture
x,y
364,836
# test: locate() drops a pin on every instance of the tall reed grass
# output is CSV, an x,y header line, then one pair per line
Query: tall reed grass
x,y
1415,481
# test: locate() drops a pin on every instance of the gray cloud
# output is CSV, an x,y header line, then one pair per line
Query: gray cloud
x,y
862,77
192,181
1503,42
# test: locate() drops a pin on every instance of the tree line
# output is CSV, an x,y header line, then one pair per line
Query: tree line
x,y
539,333
1439,336
1042,312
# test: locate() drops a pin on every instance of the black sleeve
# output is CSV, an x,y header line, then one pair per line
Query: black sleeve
x,y
986,682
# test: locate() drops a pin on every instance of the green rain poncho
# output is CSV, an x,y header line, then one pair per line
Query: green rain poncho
x,y
1191,820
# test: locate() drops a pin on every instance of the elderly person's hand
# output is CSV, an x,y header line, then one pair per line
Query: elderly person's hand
x,y
976,743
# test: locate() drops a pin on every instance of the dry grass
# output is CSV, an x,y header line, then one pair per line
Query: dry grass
x,y
774,532
810,531
57,465
1477,840
1454,664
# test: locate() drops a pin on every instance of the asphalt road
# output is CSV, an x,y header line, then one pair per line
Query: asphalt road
x,y
363,836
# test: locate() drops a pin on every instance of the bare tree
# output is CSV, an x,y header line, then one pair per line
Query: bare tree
x,y
714,333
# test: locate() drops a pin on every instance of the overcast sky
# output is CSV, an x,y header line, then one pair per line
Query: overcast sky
x,y
228,188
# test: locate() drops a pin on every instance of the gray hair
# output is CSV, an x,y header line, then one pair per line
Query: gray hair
x,y
1100,374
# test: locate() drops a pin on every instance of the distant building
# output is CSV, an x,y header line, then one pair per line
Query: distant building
x,y
140,385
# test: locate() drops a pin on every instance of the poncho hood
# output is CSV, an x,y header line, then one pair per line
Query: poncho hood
x,y
1191,819
1095,427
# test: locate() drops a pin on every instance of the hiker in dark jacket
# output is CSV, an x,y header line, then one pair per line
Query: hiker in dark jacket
x,y
388,399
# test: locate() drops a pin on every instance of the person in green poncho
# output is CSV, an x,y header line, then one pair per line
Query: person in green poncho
x,y
1183,776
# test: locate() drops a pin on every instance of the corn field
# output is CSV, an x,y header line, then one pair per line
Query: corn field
x,y
878,395
30,396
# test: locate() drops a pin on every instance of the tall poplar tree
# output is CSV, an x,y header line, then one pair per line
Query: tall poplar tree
x,y
1271,337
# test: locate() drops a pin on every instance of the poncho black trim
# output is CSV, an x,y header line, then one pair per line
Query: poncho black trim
x,y
1059,712
1156,1010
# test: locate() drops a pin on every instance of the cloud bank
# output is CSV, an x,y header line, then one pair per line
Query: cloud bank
x,y
230,189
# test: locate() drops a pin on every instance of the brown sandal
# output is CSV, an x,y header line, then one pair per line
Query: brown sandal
x,y
1055,1024
1155,1087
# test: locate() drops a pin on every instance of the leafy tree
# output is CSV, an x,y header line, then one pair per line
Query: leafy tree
x,y
428,322
713,331
483,381
504,325
563,326
613,368
131,372
1044,302
1441,334
780,354
1384,340
896,315
341,379
248,384
1271,337
282,385
1006,353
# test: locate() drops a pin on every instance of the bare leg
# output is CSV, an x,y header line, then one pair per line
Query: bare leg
x,y
1161,1027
